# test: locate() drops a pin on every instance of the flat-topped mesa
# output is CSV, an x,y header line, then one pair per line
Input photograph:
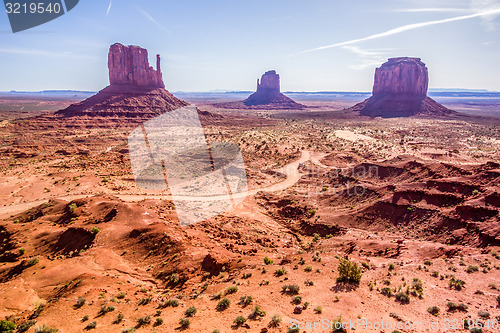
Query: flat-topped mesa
x,y
400,90
129,66
270,81
402,76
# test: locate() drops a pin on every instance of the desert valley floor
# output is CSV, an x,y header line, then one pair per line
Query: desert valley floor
x,y
414,202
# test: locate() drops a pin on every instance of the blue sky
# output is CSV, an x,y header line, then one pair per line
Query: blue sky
x,y
206,45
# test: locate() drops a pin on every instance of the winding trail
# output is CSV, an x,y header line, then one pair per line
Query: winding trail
x,y
290,171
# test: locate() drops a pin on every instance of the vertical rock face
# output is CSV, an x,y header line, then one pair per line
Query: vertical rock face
x,y
400,90
269,81
268,94
402,76
129,65
136,91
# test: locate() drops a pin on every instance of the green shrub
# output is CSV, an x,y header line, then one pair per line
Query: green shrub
x,y
484,314
22,251
280,272
33,261
433,310
174,302
184,322
267,261
79,302
143,321
191,311
428,263
293,329
349,272
318,309
403,298
158,322
144,301
95,230
118,319
386,291
246,275
240,320
308,268
223,304
456,283
472,269
275,321
91,325
297,300
453,307
7,326
246,300
231,290
121,295
257,312
24,326
391,267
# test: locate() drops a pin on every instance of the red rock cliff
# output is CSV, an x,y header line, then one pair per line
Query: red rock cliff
x,y
129,65
401,76
270,80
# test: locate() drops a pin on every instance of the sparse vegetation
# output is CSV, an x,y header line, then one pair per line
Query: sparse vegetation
x,y
223,304
246,300
349,272
45,329
239,321
279,272
402,298
190,312
231,290
433,310
7,326
184,322
79,302
275,320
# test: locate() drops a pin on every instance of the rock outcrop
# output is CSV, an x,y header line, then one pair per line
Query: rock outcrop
x,y
400,90
268,93
136,90
129,65
268,96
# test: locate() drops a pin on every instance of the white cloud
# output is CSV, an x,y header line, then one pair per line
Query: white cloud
x,y
486,14
433,10
367,58
151,18
109,7
488,21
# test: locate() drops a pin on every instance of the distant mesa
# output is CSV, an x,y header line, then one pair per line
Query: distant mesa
x,y
136,89
400,90
267,96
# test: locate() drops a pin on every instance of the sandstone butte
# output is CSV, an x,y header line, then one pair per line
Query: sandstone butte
x,y
136,89
268,93
400,90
